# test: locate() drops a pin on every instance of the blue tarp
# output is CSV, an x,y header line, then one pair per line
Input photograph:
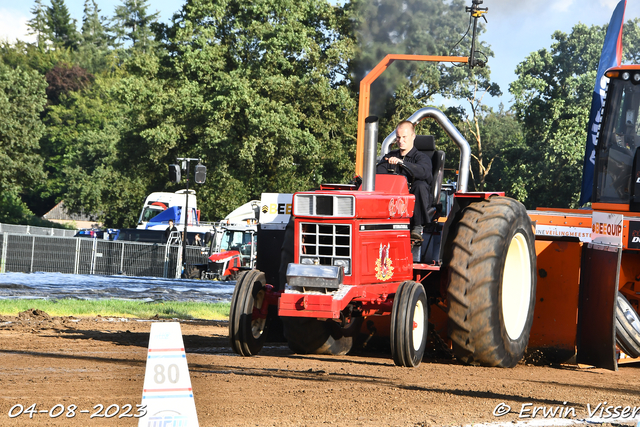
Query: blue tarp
x,y
172,213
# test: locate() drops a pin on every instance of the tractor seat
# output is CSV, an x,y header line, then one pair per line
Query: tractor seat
x,y
427,145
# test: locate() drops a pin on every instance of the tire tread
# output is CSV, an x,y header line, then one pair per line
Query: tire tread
x,y
475,254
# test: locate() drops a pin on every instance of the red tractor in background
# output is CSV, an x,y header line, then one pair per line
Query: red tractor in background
x,y
347,257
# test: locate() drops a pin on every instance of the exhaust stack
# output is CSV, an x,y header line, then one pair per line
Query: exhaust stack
x,y
370,150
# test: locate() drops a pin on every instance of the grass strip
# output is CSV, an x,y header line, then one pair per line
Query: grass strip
x,y
118,308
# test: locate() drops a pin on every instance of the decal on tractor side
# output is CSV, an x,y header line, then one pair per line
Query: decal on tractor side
x,y
384,265
634,235
397,206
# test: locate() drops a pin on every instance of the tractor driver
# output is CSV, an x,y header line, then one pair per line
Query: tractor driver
x,y
408,161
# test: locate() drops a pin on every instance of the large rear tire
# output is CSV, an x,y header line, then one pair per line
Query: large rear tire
x,y
492,283
247,329
409,324
627,327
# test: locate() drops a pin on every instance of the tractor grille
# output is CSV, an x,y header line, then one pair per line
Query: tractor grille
x,y
324,205
326,244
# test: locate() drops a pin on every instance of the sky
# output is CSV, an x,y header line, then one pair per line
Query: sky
x,y
515,28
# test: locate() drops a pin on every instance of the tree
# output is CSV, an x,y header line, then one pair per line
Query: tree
x,y
38,25
64,78
62,27
94,53
552,101
94,31
132,24
22,99
472,123
426,27
255,96
502,145
81,148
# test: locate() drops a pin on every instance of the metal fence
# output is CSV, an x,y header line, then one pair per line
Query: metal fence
x,y
37,231
73,255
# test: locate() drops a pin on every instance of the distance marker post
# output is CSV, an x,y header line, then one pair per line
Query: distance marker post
x,y
167,391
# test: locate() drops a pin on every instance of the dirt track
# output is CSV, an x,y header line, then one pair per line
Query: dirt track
x,y
102,361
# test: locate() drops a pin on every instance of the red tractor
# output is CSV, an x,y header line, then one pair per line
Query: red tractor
x,y
347,258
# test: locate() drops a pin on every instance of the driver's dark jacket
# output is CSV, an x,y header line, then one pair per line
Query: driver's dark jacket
x,y
416,161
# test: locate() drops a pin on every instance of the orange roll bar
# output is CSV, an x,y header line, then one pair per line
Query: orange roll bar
x,y
365,95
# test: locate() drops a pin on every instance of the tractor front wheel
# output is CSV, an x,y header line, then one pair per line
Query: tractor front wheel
x,y
491,292
247,327
409,324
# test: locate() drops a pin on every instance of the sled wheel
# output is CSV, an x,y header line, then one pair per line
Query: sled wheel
x,y
491,265
312,336
409,321
247,330
627,327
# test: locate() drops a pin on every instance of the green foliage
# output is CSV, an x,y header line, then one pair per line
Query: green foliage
x,y
38,25
94,52
94,32
83,137
502,145
21,102
12,209
131,23
256,98
62,29
424,27
552,101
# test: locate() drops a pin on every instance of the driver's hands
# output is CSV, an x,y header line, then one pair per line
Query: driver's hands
x,y
394,161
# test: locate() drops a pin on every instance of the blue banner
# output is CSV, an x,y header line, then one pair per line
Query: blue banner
x,y
611,56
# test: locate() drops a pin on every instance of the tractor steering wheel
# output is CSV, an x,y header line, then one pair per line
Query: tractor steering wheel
x,y
395,170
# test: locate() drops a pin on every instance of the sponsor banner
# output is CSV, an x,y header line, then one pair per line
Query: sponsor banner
x,y
610,56
582,233
275,209
606,229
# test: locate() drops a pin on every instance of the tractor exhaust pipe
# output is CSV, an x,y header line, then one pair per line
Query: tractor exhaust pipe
x,y
370,149
452,131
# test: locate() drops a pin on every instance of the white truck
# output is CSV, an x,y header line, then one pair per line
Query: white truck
x,y
161,207
156,203
236,245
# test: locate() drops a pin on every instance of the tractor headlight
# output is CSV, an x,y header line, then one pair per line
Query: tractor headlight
x,y
344,263
636,77
625,75
308,260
